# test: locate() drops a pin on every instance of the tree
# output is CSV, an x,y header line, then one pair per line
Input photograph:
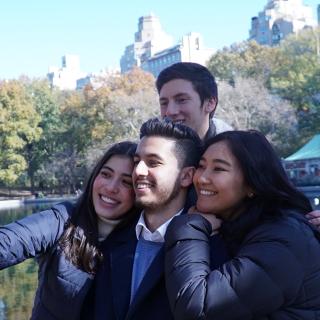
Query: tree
x,y
127,101
122,104
297,78
249,105
18,127
247,59
127,113
73,139
298,63
37,153
62,127
134,81
290,71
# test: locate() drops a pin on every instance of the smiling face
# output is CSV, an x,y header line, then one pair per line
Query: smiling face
x,y
181,103
219,183
156,173
112,190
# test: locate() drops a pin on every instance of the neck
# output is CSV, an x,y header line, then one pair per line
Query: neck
x,y
204,129
155,217
105,226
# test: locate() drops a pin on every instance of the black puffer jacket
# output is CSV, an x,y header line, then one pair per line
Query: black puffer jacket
x,y
275,273
62,286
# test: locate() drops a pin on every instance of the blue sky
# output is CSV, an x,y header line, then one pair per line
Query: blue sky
x,y
35,34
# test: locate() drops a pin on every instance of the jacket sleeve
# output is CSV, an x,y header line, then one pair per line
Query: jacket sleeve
x,y
254,283
31,236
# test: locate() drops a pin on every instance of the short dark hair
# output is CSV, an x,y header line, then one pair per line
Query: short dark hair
x,y
263,172
187,143
201,78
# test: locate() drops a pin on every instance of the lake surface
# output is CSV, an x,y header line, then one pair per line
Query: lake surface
x,y
18,283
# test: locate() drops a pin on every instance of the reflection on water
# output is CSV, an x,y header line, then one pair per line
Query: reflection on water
x,y
18,283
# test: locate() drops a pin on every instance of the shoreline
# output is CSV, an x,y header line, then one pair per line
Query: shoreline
x,y
16,203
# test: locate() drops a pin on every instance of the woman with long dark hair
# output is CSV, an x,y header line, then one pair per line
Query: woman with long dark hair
x,y
274,266
65,239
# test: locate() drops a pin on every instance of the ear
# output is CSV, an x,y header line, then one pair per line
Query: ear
x,y
210,105
186,176
250,193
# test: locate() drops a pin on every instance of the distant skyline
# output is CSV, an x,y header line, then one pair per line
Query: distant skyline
x,y
36,34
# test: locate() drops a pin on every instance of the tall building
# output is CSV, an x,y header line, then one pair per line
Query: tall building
x,y
153,51
66,76
190,49
96,79
149,38
278,19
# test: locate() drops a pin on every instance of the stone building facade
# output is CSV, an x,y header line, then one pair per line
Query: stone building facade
x,y
278,19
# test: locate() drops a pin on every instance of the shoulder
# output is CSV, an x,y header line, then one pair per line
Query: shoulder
x,y
64,208
54,219
221,125
283,247
57,216
291,231
284,226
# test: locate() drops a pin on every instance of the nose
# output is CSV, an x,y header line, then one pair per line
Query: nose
x,y
141,169
203,177
172,110
112,186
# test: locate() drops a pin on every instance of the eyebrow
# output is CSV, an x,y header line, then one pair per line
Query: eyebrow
x,y
218,161
150,155
179,94
221,161
123,174
107,167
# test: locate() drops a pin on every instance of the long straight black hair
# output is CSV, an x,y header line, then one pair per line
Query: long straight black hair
x,y
274,194
262,170
80,239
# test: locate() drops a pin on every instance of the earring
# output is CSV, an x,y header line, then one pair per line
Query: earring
x,y
250,194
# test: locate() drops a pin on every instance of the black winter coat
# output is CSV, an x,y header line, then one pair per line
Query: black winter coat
x,y
275,274
62,286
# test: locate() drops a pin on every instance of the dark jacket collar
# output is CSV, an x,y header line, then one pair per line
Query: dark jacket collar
x,y
211,131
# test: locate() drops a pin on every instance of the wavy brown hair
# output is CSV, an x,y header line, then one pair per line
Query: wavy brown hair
x,y
79,241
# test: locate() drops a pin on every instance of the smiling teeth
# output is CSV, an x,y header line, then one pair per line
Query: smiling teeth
x,y
207,193
108,200
143,185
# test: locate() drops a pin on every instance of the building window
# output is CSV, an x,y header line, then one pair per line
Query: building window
x,y
197,44
276,34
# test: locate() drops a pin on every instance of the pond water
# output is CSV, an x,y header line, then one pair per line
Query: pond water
x,y
18,283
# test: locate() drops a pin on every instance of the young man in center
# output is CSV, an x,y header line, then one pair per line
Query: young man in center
x,y
131,284
188,94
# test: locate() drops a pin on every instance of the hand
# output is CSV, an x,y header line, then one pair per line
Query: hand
x,y
214,221
314,217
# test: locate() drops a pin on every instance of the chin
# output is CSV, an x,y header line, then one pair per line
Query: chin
x,y
205,209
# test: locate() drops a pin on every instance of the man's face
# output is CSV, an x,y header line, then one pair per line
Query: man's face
x,y
156,173
181,103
